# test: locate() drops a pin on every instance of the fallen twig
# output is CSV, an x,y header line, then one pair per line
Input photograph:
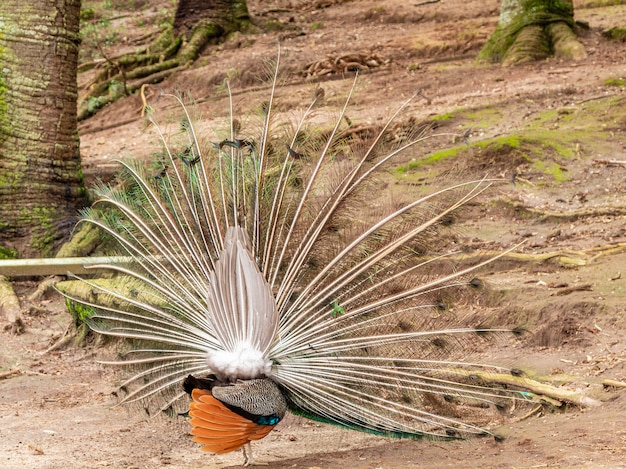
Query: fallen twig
x,y
6,374
610,162
568,290
564,257
65,339
344,64
532,412
544,215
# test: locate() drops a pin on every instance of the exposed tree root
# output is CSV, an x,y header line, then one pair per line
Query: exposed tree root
x,y
564,41
612,383
126,74
530,44
43,287
8,374
536,42
563,257
83,242
10,307
534,390
545,215
125,285
533,30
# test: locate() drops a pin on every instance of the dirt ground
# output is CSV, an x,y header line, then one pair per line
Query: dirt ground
x,y
56,408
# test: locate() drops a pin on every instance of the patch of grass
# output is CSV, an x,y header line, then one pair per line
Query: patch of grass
x,y
615,34
550,168
587,126
484,118
542,144
442,117
545,118
7,253
80,312
429,159
476,118
317,25
618,82
494,155
500,144
274,25
87,14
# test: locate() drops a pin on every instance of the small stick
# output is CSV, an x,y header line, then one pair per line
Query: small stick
x,y
144,101
425,3
62,342
568,290
611,382
6,374
534,411
610,162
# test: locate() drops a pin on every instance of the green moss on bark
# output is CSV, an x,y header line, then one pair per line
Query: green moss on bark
x,y
564,42
4,120
45,236
41,185
176,48
533,31
83,242
530,44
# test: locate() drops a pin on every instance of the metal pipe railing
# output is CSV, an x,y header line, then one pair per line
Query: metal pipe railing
x,y
56,265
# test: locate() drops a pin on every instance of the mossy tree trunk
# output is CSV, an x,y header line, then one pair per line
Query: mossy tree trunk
x,y
41,182
531,30
229,15
196,24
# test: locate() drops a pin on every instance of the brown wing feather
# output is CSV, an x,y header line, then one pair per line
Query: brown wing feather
x,y
217,428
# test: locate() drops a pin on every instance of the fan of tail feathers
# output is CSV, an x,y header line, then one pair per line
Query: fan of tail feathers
x,y
271,270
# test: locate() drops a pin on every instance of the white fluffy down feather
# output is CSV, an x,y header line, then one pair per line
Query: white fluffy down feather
x,y
242,363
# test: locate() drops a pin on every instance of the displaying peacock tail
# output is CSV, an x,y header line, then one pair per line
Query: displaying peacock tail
x,y
271,267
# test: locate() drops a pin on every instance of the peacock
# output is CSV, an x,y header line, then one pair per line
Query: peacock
x,y
270,267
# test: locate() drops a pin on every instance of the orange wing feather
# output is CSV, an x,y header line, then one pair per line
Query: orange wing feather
x,y
217,428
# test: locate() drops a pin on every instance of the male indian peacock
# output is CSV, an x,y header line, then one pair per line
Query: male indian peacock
x,y
273,271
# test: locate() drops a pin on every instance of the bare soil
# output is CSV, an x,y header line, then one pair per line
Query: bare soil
x,y
56,410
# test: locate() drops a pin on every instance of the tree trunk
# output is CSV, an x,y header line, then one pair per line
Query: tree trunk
x,y
229,15
196,24
41,182
532,30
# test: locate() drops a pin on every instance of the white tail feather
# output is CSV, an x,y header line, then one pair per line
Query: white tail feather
x,y
255,258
